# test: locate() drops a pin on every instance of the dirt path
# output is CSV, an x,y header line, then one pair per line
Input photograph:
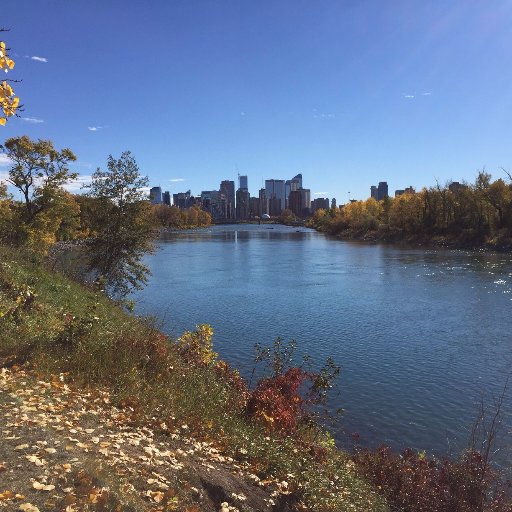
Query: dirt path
x,y
69,450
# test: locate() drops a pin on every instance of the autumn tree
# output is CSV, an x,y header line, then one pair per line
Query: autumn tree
x,y
122,224
9,102
37,170
47,212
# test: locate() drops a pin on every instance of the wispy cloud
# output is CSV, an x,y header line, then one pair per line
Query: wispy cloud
x,y
319,193
39,59
76,184
176,180
95,128
426,94
4,160
87,165
322,115
34,120
409,96
3,176
243,113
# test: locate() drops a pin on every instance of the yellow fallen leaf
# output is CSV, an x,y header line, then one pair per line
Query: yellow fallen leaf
x,y
35,460
6,495
28,507
38,486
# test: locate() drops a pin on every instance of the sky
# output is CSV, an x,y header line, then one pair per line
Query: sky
x,y
349,93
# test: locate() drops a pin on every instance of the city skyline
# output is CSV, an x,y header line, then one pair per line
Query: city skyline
x,y
344,92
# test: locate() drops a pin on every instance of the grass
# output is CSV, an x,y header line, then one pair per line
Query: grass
x,y
61,326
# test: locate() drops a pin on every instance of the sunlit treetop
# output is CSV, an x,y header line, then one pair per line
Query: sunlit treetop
x,y
8,101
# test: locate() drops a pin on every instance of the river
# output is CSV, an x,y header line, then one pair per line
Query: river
x,y
421,334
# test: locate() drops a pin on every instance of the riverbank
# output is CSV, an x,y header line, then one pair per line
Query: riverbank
x,y
466,241
145,422
52,326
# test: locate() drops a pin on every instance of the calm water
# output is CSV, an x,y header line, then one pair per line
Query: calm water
x,y
420,334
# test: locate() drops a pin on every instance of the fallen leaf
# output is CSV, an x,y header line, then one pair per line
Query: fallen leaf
x,y
28,507
6,495
42,487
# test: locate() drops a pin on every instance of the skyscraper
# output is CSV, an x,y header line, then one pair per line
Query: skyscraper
x,y
227,188
275,190
382,190
242,182
155,195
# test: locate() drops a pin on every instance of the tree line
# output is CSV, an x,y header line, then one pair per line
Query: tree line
x,y
472,214
113,216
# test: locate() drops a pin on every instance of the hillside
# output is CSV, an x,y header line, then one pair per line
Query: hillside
x,y
101,411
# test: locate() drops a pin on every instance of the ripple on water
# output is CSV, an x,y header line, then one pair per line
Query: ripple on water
x,y
420,334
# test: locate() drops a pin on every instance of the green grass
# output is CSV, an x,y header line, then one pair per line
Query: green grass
x,y
61,326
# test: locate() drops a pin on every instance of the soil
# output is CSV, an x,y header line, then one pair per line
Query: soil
x,y
68,449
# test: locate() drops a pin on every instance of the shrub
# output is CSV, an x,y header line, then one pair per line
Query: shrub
x,y
291,396
412,482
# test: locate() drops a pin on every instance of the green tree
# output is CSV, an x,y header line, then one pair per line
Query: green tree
x,y
37,170
122,223
47,212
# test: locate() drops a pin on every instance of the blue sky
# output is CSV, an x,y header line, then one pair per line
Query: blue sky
x,y
347,92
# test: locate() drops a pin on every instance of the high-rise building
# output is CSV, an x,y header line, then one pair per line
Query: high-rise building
x,y
254,207
242,204
275,189
242,182
155,195
320,203
166,198
382,190
295,201
262,197
214,202
306,199
182,199
333,203
298,179
227,188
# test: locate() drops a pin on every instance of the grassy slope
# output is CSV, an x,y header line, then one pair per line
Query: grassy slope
x,y
61,326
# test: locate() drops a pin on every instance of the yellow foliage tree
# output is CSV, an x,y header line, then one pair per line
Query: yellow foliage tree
x,y
9,102
406,212
363,214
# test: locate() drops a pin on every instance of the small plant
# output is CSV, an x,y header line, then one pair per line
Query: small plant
x,y
292,395
19,298
197,346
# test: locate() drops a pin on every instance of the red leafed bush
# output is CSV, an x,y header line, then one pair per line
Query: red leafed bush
x,y
292,395
411,482
277,401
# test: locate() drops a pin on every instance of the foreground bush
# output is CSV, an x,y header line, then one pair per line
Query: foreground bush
x,y
413,483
